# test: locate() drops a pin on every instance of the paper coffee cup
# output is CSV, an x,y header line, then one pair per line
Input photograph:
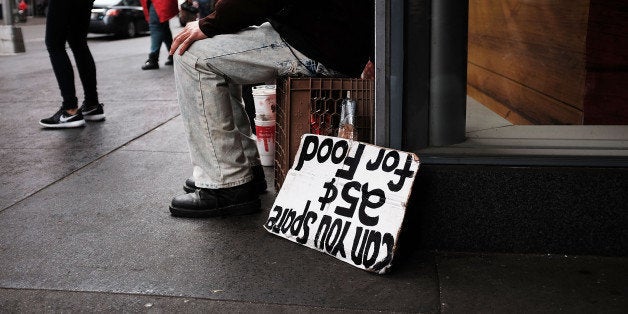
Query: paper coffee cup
x,y
265,101
265,133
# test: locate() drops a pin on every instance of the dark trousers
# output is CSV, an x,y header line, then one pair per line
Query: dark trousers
x,y
159,32
68,21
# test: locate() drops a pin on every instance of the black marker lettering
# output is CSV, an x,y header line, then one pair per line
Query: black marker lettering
x,y
306,227
389,241
365,219
352,200
403,175
310,141
334,230
327,143
395,161
322,234
373,241
273,220
340,244
335,158
329,188
298,221
373,165
352,162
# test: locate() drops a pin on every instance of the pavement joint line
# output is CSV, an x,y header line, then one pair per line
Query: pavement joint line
x,y
90,163
155,151
37,148
191,298
437,255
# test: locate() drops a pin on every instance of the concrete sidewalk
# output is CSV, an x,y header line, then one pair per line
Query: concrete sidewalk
x,y
85,226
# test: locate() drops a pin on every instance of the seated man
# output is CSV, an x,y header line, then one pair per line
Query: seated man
x,y
249,42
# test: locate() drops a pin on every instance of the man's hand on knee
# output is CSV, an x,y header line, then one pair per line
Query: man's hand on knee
x,y
186,37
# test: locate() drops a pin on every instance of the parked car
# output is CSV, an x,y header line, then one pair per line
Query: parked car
x,y
124,18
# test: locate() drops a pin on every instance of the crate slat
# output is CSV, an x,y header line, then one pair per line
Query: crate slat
x,y
301,99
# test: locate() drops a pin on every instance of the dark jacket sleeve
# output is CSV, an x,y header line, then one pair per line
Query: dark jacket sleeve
x,y
231,16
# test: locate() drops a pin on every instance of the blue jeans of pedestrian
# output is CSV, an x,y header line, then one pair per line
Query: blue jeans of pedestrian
x,y
68,21
159,32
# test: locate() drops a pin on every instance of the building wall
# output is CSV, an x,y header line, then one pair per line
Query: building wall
x,y
606,90
526,59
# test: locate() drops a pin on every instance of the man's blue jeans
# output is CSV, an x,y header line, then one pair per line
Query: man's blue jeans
x,y
209,77
159,32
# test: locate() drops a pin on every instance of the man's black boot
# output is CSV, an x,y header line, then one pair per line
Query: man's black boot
x,y
169,61
202,203
259,181
152,63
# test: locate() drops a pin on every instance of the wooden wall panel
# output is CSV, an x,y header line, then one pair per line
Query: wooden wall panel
x,y
516,102
552,23
536,47
557,73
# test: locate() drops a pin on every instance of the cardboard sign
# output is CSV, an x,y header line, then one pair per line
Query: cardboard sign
x,y
345,198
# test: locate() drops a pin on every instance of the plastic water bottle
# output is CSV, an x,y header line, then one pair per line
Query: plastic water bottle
x,y
346,127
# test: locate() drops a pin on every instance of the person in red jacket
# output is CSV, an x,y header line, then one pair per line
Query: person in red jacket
x,y
158,13
22,6
249,42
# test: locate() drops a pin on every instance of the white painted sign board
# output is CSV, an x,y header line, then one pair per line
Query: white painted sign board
x,y
345,198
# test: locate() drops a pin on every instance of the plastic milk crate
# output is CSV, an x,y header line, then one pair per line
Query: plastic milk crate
x,y
312,105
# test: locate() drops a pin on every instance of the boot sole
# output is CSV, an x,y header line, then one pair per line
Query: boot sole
x,y
260,187
233,210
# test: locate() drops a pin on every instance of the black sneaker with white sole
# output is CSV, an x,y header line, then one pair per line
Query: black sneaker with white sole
x,y
62,119
93,112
